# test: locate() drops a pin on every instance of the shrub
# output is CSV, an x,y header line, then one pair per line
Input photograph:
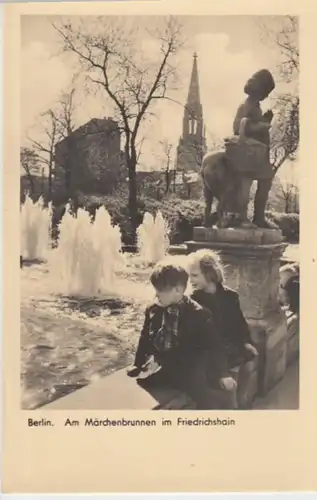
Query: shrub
x,y
288,224
181,215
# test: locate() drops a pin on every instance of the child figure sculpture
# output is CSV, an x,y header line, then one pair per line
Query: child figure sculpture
x,y
250,122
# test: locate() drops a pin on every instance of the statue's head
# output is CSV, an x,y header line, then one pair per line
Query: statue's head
x,y
260,85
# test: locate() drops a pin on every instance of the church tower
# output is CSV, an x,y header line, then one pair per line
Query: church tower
x,y
192,143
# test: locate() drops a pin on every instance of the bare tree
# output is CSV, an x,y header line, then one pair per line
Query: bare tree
x,y
165,159
30,163
45,148
281,33
56,124
65,113
285,131
289,194
106,52
168,147
288,189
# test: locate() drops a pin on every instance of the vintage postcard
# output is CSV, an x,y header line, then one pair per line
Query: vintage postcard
x,y
157,334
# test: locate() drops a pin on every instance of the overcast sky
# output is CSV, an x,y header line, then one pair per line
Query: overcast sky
x,y
229,48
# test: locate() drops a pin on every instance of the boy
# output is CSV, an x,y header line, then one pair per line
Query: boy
x,y
207,278
180,337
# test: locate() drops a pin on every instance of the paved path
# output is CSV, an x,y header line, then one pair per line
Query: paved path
x,y
285,395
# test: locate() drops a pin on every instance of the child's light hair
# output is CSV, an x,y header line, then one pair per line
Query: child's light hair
x,y
210,265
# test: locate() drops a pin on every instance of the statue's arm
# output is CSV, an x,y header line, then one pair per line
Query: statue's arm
x,y
257,127
254,119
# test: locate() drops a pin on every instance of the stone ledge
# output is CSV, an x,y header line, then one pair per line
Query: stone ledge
x,y
117,391
256,236
180,249
240,249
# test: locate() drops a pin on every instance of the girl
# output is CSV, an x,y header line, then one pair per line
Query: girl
x,y
207,278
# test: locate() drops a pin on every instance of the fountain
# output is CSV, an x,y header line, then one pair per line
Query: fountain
x,y
153,240
88,254
35,230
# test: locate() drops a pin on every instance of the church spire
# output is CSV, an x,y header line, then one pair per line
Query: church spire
x,y
193,114
192,143
193,99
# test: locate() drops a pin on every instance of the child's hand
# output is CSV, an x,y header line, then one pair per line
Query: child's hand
x,y
228,383
251,349
268,116
151,365
133,371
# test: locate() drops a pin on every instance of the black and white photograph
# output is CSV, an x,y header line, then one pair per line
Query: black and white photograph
x,y
159,213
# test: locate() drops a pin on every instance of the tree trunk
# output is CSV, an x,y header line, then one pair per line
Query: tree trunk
x,y
31,182
132,203
69,170
50,186
167,180
50,173
42,182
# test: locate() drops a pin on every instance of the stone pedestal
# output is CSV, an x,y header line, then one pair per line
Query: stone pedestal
x,y
292,339
252,260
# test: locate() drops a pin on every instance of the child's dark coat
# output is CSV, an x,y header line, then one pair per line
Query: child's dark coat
x,y
196,333
229,320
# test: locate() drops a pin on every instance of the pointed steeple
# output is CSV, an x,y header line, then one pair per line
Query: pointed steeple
x,y
193,99
192,143
193,114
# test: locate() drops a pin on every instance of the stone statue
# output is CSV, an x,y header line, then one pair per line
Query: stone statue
x,y
223,183
228,175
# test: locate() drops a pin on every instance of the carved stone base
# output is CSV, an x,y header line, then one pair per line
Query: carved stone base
x,y
293,339
243,235
252,260
270,335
